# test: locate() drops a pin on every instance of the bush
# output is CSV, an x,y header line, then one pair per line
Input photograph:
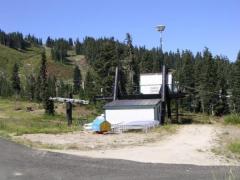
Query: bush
x,y
232,119
235,147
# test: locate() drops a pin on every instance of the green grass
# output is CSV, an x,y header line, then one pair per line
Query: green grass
x,y
167,128
234,147
232,119
18,122
29,61
196,118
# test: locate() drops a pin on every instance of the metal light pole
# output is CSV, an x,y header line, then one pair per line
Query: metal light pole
x,y
160,28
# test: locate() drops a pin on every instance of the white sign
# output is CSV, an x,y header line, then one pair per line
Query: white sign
x,y
151,83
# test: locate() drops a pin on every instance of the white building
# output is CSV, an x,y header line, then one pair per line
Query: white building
x,y
125,111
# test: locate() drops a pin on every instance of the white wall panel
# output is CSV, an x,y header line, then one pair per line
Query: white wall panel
x,y
151,83
115,116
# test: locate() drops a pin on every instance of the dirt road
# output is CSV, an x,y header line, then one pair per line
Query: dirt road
x,y
191,145
19,162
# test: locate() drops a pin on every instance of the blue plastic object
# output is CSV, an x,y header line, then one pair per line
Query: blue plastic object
x,y
96,126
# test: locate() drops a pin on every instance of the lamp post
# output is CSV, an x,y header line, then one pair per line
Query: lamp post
x,y
160,28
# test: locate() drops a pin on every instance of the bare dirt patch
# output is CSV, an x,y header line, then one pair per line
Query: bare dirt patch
x,y
86,141
191,144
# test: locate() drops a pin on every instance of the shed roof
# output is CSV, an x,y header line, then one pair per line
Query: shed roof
x,y
136,103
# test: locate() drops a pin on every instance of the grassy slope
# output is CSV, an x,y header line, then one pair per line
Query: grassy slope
x,y
20,122
29,62
10,56
81,62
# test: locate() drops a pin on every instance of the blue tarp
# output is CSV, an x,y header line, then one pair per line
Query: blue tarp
x,y
97,123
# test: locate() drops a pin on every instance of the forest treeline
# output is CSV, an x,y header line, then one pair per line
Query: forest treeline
x,y
17,40
211,83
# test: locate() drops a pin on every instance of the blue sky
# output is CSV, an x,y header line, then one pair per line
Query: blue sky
x,y
190,24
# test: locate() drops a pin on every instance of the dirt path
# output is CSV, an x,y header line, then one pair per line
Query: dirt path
x,y
191,145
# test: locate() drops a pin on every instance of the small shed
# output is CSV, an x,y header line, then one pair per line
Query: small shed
x,y
125,111
101,125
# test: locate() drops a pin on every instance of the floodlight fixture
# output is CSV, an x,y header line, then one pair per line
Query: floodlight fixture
x,y
160,28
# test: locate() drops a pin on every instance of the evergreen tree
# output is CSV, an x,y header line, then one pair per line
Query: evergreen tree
x,y
91,88
49,104
78,48
16,79
49,42
59,50
221,107
146,62
236,85
130,67
158,57
61,89
44,90
70,42
104,67
30,87
186,78
52,84
43,77
37,94
76,79
197,81
207,86
6,89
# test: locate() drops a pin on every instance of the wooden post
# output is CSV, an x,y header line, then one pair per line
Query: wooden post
x,y
163,93
169,109
163,96
115,90
177,114
69,111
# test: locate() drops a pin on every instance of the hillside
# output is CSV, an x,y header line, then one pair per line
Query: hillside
x,y
29,60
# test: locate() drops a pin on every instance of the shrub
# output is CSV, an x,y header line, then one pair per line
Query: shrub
x,y
235,147
232,119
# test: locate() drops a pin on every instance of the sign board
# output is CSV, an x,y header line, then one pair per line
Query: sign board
x,y
151,83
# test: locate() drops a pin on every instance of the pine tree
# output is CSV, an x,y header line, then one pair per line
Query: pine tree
x,y
61,89
104,67
198,64
52,83
222,85
49,104
70,42
49,42
30,87
6,89
186,78
43,77
208,95
16,79
59,50
78,48
130,66
90,89
44,90
76,79
236,85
